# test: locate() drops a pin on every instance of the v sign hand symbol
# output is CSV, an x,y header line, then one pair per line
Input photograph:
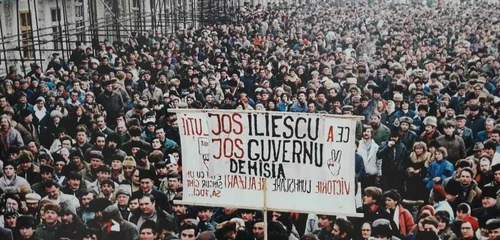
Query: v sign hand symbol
x,y
334,162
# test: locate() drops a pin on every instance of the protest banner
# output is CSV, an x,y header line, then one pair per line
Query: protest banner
x,y
258,160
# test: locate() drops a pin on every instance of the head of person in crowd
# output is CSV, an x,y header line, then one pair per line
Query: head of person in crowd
x,y
188,231
148,230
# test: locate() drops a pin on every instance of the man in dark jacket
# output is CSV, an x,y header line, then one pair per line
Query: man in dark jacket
x,y
112,102
120,228
147,179
25,225
454,144
394,157
407,136
475,121
466,133
71,221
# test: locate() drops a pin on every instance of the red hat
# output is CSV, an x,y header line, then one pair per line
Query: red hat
x,y
473,222
439,191
428,207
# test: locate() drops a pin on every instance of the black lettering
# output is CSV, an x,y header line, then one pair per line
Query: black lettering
x,y
250,129
297,151
252,168
314,129
256,125
256,156
288,125
233,166
285,151
241,166
274,126
297,123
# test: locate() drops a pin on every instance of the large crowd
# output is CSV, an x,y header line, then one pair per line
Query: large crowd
x,y
90,150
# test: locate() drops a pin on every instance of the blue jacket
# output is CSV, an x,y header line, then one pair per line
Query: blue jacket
x,y
441,169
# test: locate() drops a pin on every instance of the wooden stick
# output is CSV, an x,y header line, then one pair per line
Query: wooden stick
x,y
188,110
355,215
265,209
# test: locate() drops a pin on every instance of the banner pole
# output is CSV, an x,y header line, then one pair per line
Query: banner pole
x,y
265,209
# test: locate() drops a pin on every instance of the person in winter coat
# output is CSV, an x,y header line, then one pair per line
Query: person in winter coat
x,y
26,224
47,229
439,169
408,137
416,171
394,160
381,132
454,144
26,168
431,131
26,127
489,208
368,149
112,102
71,221
401,216
120,228
9,137
445,232
475,121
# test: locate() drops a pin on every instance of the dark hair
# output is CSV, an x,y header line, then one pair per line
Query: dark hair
x,y
188,226
149,224
345,226
225,228
150,196
276,231
443,216
393,194
50,183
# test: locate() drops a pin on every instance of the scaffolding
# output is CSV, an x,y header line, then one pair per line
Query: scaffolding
x,y
99,20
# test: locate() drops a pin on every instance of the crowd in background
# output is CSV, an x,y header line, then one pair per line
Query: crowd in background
x,y
90,150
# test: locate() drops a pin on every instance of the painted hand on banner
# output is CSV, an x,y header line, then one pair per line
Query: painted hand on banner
x,y
204,151
206,161
334,162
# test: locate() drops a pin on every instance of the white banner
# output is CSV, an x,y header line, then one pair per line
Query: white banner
x,y
306,159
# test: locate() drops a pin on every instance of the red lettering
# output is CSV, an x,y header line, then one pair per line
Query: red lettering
x,y
237,121
238,143
218,140
330,134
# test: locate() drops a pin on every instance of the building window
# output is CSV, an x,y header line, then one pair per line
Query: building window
x,y
55,14
26,36
136,3
57,38
79,21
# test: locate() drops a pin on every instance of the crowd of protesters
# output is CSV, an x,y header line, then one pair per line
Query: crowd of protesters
x,y
90,150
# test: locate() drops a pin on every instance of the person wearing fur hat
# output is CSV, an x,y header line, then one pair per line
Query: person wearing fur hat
x,y
26,225
50,224
26,127
489,208
71,221
116,227
475,120
26,168
431,131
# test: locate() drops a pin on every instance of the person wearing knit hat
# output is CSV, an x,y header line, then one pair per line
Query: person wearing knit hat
x,y
122,195
382,232
118,228
70,220
427,209
469,227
